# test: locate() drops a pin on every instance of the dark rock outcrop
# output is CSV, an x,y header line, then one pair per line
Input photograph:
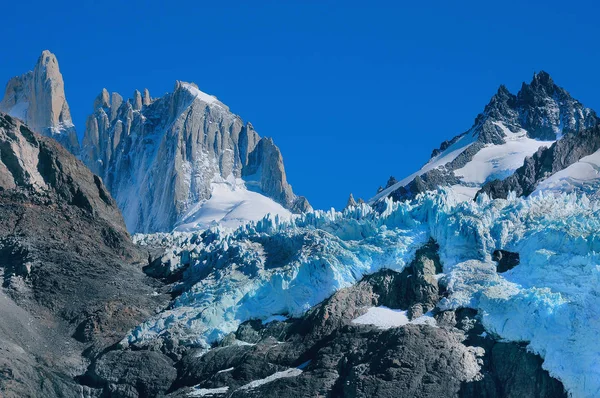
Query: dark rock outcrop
x,y
506,260
544,163
72,283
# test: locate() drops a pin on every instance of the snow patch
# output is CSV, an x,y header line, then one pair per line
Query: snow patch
x,y
500,161
230,205
291,372
209,99
387,318
275,318
383,317
207,392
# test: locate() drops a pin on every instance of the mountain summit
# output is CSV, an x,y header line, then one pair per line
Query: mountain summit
x,y
184,160
38,99
510,128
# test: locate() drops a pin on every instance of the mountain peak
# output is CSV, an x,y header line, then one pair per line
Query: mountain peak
x,y
38,98
543,79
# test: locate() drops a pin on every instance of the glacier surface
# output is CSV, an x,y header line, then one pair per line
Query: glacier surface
x,y
551,300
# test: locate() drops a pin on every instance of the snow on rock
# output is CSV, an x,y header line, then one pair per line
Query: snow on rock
x,y
387,318
292,372
201,95
499,161
275,318
383,317
208,392
231,205
582,176
551,300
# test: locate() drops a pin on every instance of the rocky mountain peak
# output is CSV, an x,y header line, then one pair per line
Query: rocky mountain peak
x,y
146,99
160,157
137,100
516,125
38,98
547,111
351,202
102,100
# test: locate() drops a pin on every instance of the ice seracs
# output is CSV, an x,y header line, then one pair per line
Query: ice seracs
x,y
272,267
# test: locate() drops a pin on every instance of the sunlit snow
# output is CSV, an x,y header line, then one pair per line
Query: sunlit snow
x,y
500,161
231,206
582,176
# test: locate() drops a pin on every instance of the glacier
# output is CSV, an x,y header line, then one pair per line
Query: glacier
x,y
283,267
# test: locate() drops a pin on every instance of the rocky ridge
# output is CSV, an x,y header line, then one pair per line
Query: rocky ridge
x,y
544,163
541,111
159,157
72,282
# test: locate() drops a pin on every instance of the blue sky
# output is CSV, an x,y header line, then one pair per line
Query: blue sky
x,y
352,92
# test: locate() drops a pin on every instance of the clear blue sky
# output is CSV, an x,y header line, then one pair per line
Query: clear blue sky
x,y
352,92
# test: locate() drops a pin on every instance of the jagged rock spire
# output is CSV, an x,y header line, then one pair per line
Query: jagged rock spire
x,y
351,202
38,98
146,100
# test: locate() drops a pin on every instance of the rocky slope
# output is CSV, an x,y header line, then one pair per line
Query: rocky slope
x,y
332,351
72,282
38,99
511,128
547,162
161,158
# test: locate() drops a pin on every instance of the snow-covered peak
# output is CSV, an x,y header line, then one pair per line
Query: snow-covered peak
x,y
193,89
511,128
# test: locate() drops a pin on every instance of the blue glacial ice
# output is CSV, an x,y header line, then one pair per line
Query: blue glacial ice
x,y
551,300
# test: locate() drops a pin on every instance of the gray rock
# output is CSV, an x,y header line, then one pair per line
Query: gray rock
x,y
544,163
38,99
146,100
158,157
71,279
351,202
134,373
543,109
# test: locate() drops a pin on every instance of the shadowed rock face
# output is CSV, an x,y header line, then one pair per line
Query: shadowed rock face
x,y
38,99
506,260
71,279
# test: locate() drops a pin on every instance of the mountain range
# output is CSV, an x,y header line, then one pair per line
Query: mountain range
x,y
476,276
182,160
